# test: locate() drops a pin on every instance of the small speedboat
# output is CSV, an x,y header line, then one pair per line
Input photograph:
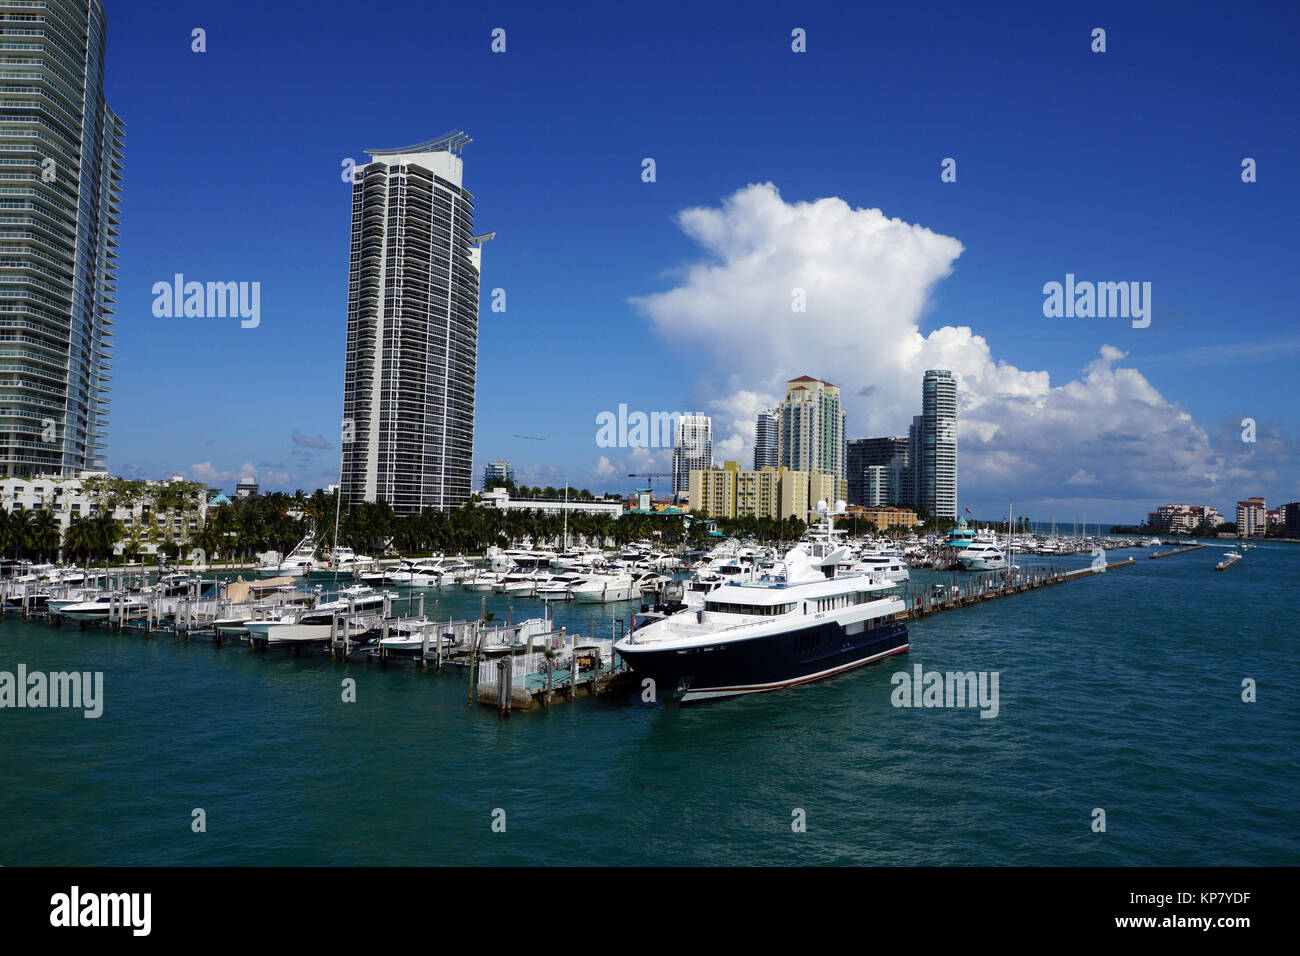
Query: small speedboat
x,y
98,609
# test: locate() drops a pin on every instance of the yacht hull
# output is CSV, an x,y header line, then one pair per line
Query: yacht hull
x,y
281,632
983,564
606,595
732,668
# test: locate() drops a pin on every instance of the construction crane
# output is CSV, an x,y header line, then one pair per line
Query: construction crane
x,y
649,489
651,475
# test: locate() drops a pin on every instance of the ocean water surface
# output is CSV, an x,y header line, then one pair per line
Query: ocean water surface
x,y
1120,692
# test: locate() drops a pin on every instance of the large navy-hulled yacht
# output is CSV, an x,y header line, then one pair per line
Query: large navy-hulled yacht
x,y
800,621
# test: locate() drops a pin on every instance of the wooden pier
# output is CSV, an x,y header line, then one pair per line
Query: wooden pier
x,y
1170,554
921,603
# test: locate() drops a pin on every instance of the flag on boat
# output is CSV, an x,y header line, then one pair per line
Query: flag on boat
x,y
969,512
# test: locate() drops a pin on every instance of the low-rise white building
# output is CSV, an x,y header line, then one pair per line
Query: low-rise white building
x,y
500,498
153,513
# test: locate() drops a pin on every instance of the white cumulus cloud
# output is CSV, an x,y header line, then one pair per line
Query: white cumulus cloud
x,y
867,281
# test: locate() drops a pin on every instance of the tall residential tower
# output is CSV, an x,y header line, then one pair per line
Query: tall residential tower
x,y
933,445
692,449
765,441
412,340
61,149
810,430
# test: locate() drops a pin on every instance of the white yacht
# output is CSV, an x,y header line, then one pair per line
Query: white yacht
x,y
983,554
347,561
482,580
307,626
521,582
301,561
697,587
606,588
892,566
559,587
98,608
798,622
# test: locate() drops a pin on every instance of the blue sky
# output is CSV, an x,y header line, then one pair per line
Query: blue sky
x,y
1116,166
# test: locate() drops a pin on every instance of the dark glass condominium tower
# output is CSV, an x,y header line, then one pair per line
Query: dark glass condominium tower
x,y
765,441
412,342
933,445
61,172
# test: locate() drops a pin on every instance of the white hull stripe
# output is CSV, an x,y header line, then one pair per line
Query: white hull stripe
x,y
707,692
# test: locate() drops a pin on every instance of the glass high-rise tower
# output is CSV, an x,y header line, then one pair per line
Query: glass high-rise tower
x,y
765,441
412,336
878,471
692,449
933,445
61,153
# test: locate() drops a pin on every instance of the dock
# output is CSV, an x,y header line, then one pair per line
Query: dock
x,y
1170,554
560,667
971,591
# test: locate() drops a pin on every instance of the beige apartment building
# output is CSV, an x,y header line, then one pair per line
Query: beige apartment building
x,y
884,517
729,492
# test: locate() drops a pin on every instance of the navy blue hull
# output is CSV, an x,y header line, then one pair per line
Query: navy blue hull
x,y
765,663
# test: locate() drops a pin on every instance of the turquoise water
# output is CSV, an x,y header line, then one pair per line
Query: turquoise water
x,y
1120,691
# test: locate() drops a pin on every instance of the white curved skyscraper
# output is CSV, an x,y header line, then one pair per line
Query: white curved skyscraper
x,y
412,339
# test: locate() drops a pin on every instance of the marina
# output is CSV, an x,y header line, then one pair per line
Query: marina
x,y
539,660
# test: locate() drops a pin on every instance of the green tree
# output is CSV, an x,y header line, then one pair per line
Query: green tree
x,y
45,535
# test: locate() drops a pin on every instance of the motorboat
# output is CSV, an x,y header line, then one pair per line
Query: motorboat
x,y
300,562
316,624
129,606
982,554
607,588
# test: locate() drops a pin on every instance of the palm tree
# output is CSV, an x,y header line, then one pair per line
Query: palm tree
x,y
79,540
133,545
19,532
207,540
106,532
45,534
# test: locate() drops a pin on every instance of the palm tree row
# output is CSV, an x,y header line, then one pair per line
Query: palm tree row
x,y
247,527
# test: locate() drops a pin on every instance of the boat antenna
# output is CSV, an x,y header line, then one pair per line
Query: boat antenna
x,y
338,507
